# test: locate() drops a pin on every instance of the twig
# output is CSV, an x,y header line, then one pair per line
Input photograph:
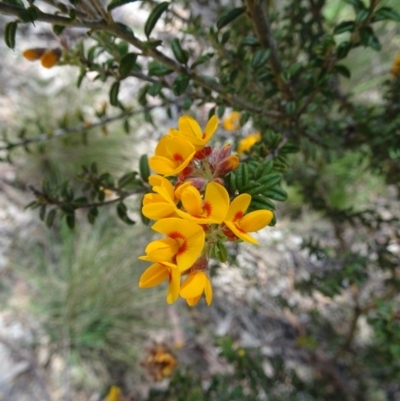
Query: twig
x,y
259,16
56,202
78,129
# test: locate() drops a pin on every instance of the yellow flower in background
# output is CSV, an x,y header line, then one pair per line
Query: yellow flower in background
x,y
197,283
159,272
172,155
34,54
190,129
48,57
183,245
246,143
115,394
396,67
210,210
241,224
232,122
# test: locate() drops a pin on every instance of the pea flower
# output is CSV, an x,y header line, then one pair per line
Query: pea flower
x,y
159,272
183,245
197,282
247,143
172,155
232,122
241,224
210,210
190,129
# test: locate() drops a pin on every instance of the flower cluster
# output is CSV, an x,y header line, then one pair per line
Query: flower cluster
x,y
48,57
193,210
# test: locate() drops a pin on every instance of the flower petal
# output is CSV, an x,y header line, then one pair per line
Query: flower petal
x,y
241,233
161,250
211,127
194,285
153,275
238,207
208,291
189,125
174,284
191,200
217,197
158,210
188,235
256,220
193,301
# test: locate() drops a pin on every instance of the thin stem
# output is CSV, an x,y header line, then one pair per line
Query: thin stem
x,y
78,129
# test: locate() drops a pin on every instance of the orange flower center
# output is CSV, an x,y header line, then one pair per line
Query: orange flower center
x,y
238,216
178,158
181,239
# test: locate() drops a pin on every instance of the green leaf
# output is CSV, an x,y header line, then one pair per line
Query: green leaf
x,y
28,15
345,26
71,221
127,179
58,29
276,193
343,49
260,57
50,217
92,214
82,75
126,64
202,59
122,214
250,41
368,38
342,70
154,17
181,55
270,180
386,13
10,31
42,212
220,252
362,15
180,84
17,3
118,3
229,15
114,93
157,69
144,168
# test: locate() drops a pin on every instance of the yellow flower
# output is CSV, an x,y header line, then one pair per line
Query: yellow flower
x,y
196,283
183,246
161,204
190,129
159,272
115,394
50,58
210,210
241,224
246,143
396,67
232,122
172,155
34,54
